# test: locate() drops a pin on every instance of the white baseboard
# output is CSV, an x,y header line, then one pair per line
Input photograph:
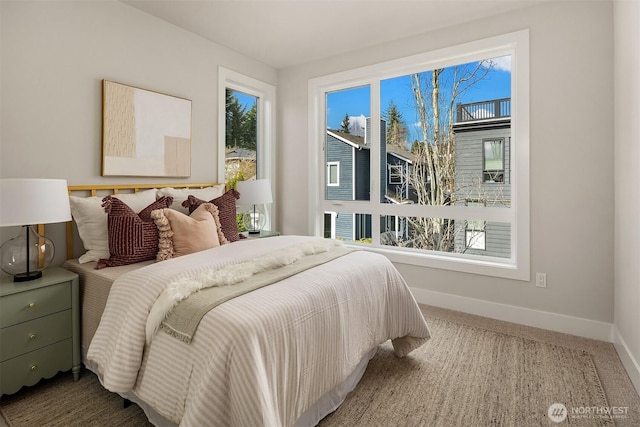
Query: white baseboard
x,y
524,316
628,361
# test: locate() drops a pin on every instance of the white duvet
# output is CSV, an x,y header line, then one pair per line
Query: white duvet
x,y
262,358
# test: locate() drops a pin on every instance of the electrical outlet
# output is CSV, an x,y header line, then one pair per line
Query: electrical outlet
x,y
541,280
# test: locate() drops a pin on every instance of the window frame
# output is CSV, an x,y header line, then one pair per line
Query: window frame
x,y
337,165
471,229
493,172
517,266
390,167
266,132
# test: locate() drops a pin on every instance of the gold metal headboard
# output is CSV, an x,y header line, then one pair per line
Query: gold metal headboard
x,y
105,189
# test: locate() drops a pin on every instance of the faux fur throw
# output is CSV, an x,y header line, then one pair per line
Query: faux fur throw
x,y
234,274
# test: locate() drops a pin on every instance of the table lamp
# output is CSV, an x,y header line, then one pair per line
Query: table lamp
x,y
28,202
255,192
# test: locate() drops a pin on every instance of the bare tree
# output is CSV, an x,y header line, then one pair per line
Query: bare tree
x,y
432,177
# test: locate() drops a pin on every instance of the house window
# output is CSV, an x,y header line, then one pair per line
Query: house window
x,y
493,160
333,174
480,85
395,174
330,225
475,231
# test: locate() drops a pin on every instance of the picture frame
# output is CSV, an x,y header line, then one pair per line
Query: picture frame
x,y
144,133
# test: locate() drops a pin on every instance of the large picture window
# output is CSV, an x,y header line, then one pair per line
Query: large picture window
x,y
435,148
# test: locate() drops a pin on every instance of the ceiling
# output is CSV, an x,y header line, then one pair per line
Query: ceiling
x,y
292,32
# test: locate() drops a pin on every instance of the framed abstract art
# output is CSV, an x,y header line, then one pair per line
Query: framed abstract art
x,y
144,133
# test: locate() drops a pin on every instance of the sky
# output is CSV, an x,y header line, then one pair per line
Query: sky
x,y
246,100
355,102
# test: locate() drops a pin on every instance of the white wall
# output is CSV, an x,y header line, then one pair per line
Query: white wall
x,y
572,179
54,56
627,178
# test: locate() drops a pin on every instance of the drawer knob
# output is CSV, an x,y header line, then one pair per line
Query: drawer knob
x,y
32,336
31,304
34,367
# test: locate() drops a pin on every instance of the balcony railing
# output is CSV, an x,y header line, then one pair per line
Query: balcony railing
x,y
486,110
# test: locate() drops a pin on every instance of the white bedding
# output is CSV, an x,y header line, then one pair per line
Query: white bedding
x,y
260,359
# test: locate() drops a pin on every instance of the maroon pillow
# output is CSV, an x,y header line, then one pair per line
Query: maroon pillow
x,y
132,237
226,205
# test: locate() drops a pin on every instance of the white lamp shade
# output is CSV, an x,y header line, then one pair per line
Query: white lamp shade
x,y
254,192
25,201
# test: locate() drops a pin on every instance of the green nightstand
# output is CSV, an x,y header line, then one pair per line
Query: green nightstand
x,y
39,328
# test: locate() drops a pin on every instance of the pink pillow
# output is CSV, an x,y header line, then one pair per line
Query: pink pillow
x,y
132,237
181,234
226,205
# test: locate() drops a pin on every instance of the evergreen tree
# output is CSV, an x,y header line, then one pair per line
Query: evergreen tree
x,y
344,126
249,128
235,119
396,128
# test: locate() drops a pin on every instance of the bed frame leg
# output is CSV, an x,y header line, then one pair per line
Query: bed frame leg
x,y
126,403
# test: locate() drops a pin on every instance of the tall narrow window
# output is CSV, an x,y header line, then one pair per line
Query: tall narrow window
x,y
333,174
241,136
493,151
475,234
246,132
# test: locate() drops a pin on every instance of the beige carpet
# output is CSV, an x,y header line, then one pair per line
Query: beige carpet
x,y
473,372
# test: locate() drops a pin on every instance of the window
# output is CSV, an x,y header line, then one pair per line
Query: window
x,y
333,174
241,136
493,155
396,174
246,131
330,225
475,231
384,112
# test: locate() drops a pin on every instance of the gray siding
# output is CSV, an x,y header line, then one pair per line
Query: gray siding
x,y
471,188
338,151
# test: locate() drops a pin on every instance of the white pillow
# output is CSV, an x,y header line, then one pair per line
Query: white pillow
x,y
91,220
180,195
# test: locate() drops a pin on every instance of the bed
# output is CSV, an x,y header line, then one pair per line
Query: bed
x,y
285,353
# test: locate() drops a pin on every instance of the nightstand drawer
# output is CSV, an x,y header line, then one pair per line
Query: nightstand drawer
x,y
29,368
23,306
32,335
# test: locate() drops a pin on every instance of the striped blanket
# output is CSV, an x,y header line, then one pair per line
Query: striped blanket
x,y
217,286
262,358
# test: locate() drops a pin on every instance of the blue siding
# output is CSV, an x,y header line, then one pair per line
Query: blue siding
x,y
338,151
344,226
363,174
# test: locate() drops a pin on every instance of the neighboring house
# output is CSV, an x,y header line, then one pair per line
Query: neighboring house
x,y
348,178
239,160
399,164
482,176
